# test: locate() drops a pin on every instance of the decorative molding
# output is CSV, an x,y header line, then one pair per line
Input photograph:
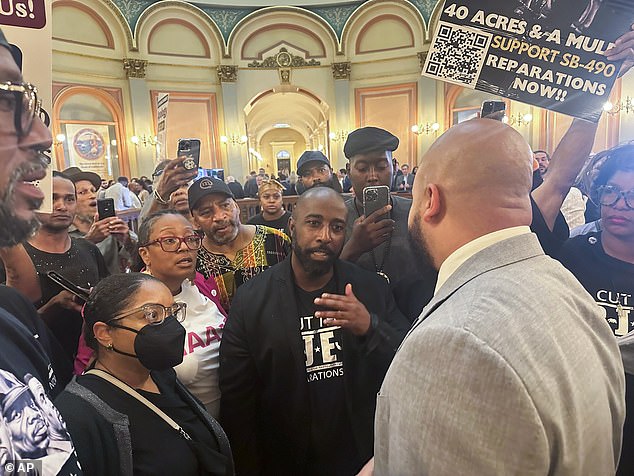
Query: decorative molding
x,y
134,68
422,57
226,19
341,70
285,75
227,73
336,16
187,25
283,59
377,19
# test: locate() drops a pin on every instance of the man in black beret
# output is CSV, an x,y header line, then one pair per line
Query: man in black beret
x,y
314,169
376,243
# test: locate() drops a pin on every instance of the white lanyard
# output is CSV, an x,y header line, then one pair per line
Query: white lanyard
x,y
133,393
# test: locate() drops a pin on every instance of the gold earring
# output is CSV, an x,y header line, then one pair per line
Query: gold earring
x,y
110,346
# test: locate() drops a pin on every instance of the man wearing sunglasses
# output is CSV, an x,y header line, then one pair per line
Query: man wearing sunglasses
x,y
26,347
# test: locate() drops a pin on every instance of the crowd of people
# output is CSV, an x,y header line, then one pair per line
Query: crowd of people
x,y
459,331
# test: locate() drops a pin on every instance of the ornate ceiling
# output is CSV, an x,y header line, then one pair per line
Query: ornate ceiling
x,y
227,16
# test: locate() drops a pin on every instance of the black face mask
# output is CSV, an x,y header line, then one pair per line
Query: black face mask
x,y
158,347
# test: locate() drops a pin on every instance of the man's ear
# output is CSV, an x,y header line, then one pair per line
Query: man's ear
x,y
433,203
291,224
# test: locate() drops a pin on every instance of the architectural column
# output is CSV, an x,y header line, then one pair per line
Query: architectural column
x,y
141,157
237,163
430,108
343,118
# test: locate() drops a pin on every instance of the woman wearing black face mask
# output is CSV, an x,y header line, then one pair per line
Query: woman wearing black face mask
x,y
128,414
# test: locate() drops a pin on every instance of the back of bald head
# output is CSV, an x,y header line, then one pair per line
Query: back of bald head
x,y
315,195
480,164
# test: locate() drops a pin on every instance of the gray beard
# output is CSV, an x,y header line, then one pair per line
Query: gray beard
x,y
15,230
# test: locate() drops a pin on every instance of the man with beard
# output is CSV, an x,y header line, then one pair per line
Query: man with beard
x,y
24,339
314,169
503,388
53,249
232,253
111,235
304,351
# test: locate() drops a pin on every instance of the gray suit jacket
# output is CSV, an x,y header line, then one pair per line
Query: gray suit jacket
x,y
511,369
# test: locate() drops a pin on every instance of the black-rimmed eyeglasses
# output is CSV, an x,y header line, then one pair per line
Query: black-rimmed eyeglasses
x,y
21,100
171,244
609,195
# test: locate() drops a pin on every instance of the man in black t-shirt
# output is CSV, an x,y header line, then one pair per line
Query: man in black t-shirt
x,y
604,262
304,351
24,345
53,249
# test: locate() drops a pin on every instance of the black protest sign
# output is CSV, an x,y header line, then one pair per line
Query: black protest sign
x,y
548,53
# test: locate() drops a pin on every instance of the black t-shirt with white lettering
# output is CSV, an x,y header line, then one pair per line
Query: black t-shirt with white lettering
x,y
332,447
610,282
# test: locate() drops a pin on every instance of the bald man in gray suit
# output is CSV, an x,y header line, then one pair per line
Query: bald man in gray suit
x,y
495,378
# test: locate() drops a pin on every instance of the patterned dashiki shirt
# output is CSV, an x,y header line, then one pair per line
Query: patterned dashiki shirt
x,y
268,247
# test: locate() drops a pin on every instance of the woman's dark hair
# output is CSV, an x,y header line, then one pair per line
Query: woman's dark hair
x,y
145,230
617,159
109,298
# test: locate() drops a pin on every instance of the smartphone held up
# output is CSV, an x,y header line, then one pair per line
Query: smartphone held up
x,y
190,149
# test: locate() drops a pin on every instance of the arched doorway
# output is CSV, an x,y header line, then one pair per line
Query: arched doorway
x,y
89,132
282,123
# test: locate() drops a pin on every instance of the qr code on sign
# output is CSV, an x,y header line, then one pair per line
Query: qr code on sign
x,y
457,54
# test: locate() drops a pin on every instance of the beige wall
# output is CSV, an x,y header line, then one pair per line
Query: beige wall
x,y
280,136
183,48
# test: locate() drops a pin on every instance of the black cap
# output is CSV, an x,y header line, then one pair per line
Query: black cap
x,y
15,51
369,139
205,186
310,156
75,174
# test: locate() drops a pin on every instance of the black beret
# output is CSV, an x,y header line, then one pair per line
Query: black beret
x,y
310,156
369,139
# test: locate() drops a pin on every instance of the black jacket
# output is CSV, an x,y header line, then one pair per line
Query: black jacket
x,y
265,407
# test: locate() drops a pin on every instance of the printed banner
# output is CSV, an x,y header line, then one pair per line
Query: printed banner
x,y
88,147
161,126
548,53
23,13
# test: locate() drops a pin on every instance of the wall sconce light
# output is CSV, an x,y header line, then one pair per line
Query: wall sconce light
x,y
234,139
144,140
627,106
339,136
519,119
59,139
427,128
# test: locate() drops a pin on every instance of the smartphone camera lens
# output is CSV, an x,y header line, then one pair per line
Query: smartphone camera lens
x,y
372,195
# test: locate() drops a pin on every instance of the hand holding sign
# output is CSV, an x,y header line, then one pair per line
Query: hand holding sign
x,y
623,50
